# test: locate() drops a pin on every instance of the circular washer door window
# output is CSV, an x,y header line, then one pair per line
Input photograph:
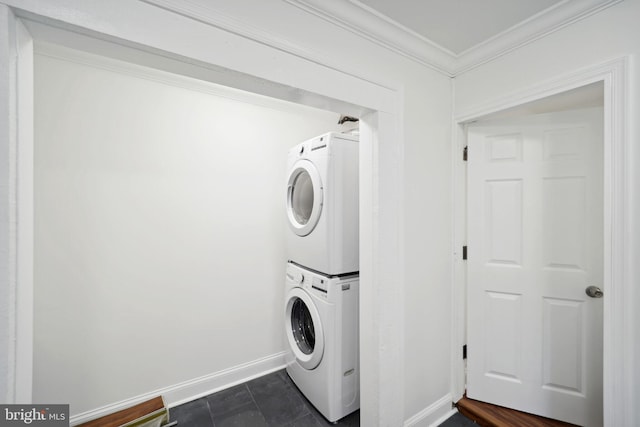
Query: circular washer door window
x,y
304,198
303,329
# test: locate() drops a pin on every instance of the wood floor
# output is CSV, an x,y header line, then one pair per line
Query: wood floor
x,y
127,415
488,415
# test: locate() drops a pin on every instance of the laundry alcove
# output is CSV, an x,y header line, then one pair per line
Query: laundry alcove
x,y
158,226
377,127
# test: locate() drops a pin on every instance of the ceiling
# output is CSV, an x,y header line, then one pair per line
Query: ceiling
x,y
453,36
458,25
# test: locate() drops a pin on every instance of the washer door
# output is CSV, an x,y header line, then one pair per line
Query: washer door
x,y
304,329
304,197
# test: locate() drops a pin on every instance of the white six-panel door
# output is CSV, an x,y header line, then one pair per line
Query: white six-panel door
x,y
535,239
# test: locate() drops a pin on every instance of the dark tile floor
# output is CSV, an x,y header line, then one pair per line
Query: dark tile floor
x,y
270,401
458,420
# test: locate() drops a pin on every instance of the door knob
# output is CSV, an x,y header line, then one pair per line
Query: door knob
x,y
594,292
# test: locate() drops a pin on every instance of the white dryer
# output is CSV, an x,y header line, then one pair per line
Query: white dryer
x,y
321,325
322,204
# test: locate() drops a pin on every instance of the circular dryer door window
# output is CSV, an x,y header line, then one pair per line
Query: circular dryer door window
x,y
304,330
304,198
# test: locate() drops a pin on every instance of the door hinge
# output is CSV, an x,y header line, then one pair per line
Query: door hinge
x,y
465,153
464,351
464,252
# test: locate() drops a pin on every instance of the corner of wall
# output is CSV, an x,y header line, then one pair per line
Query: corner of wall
x,y
433,414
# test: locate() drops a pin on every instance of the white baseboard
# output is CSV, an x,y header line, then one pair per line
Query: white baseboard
x,y
186,391
433,414
445,417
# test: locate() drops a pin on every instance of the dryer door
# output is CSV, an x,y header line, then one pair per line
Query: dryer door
x,y
304,329
304,197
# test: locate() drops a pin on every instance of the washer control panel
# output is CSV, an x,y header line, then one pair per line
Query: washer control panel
x,y
295,276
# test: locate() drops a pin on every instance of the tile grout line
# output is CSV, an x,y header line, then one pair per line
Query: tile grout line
x,y
206,399
253,399
291,386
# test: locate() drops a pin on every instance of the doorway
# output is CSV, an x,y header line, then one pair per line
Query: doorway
x,y
599,86
535,244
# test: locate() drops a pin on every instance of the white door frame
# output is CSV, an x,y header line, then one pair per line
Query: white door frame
x,y
330,86
617,312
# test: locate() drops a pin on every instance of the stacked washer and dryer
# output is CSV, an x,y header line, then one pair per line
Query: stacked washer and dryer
x,y
321,303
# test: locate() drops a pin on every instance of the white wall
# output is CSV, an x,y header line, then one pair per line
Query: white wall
x,y
7,279
608,35
320,57
427,250
159,244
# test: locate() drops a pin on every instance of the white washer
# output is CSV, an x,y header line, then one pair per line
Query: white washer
x,y
321,325
322,204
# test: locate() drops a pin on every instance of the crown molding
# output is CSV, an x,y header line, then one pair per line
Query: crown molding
x,y
540,25
372,25
368,23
